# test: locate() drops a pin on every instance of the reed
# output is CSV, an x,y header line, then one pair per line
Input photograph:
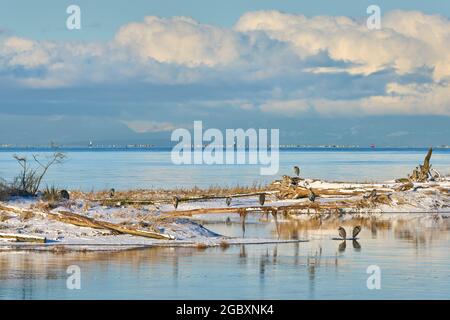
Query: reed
x,y
51,194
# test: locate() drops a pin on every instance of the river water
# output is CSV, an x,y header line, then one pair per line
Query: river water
x,y
91,169
413,256
413,262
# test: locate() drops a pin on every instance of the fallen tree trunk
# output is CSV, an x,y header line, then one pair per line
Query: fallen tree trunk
x,y
180,199
23,237
83,221
239,195
120,202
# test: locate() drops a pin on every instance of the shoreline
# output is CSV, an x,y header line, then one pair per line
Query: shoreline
x,y
185,223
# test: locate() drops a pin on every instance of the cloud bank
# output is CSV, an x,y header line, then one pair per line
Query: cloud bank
x,y
269,62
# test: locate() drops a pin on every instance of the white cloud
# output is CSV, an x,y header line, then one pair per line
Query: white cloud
x,y
141,126
285,57
401,99
179,40
286,107
407,41
23,52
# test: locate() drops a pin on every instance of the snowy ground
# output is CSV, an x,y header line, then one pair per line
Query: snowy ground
x,y
429,200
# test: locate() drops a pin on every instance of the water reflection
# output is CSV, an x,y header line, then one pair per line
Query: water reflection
x,y
419,230
342,246
89,169
356,245
320,268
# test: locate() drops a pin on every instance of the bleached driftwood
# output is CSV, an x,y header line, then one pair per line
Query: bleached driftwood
x,y
120,202
23,237
83,221
422,173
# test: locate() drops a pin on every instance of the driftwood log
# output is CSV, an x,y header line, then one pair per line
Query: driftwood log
x,y
23,237
83,221
422,173
120,202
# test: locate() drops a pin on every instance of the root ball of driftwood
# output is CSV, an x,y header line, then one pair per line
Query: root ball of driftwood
x,y
423,172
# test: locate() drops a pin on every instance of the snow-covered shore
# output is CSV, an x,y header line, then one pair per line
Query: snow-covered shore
x,y
32,216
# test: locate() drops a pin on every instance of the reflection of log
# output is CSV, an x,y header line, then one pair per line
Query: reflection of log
x,y
23,237
315,207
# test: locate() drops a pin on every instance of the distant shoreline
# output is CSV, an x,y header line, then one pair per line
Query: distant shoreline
x,y
169,148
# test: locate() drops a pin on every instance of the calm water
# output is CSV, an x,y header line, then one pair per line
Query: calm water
x,y
414,257
87,169
414,264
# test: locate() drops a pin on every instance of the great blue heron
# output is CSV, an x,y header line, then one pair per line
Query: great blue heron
x,y
312,196
296,171
342,233
112,191
64,194
356,231
175,201
228,201
262,199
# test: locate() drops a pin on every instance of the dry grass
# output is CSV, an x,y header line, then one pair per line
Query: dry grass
x,y
165,194
51,194
4,217
26,215
86,206
5,191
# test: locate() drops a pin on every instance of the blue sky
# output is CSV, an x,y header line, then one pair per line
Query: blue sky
x,y
138,69
45,19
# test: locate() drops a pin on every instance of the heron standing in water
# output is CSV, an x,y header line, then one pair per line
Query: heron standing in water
x,y
228,201
342,233
175,201
356,231
297,170
262,199
312,196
